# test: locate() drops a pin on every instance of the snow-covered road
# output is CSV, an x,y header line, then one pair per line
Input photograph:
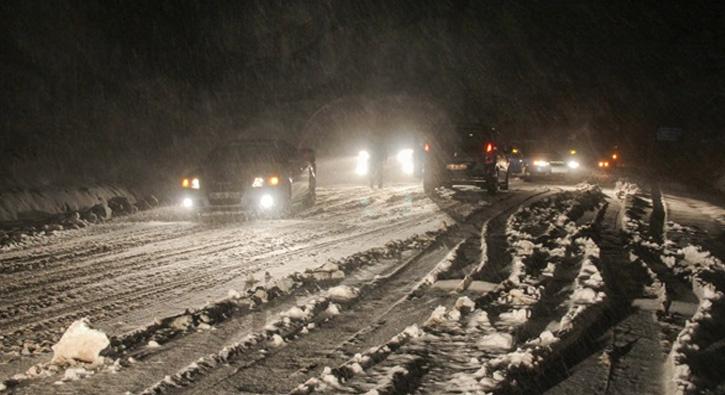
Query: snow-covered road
x,y
545,288
126,272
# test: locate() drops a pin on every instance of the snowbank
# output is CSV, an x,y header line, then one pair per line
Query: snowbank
x,y
41,204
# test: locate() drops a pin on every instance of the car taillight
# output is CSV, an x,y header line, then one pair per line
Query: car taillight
x,y
488,150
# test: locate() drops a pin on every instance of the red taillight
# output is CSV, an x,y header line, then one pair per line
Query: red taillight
x,y
488,150
426,147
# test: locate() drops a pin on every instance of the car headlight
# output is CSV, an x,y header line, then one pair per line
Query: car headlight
x,y
541,163
266,201
361,166
187,203
405,158
572,164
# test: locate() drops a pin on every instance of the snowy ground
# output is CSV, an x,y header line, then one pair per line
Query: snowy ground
x,y
546,288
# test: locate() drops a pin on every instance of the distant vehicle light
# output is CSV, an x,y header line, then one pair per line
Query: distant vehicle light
x,y
187,203
514,150
426,147
606,164
405,158
274,180
258,182
195,183
489,148
266,201
185,183
541,163
362,165
572,164
572,152
615,156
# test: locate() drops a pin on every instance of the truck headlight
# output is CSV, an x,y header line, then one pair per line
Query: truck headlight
x,y
258,182
541,163
405,158
572,164
195,183
187,203
361,166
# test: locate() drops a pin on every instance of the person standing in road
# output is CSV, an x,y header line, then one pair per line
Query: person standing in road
x,y
378,155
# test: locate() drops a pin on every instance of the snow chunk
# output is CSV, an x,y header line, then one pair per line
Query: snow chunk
x,y
465,304
479,319
342,293
73,374
277,340
332,310
297,313
413,331
524,247
497,342
515,359
586,296
329,267
437,316
80,343
514,317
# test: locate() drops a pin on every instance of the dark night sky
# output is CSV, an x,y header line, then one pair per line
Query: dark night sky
x,y
111,83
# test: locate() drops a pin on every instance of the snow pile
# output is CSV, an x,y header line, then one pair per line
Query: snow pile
x,y
80,343
293,321
705,326
334,380
342,293
558,243
588,285
694,339
626,188
689,262
443,266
